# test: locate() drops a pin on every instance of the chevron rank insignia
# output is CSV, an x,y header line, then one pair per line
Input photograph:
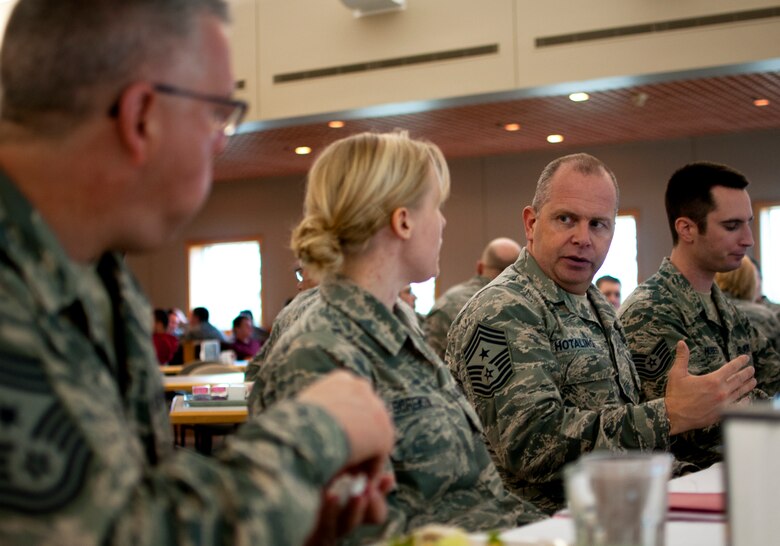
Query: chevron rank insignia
x,y
654,365
488,363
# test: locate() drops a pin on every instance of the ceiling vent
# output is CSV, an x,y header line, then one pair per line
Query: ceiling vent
x,y
361,8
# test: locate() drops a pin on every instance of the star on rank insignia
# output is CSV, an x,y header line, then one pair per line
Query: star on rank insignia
x,y
488,363
652,366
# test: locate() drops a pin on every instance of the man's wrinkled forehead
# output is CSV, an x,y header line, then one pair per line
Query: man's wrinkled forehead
x,y
566,189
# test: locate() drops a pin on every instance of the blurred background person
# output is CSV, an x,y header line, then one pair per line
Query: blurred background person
x,y
743,287
165,344
258,332
244,344
610,287
496,256
200,328
177,322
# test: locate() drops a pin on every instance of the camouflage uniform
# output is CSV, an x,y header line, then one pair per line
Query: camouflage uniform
x,y
442,468
549,378
762,318
446,308
772,306
284,320
86,450
665,309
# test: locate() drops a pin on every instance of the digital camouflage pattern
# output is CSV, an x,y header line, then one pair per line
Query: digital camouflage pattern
x,y
762,318
439,319
286,318
86,450
769,304
665,309
443,470
551,378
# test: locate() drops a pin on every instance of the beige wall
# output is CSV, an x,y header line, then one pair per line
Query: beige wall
x,y
488,195
273,37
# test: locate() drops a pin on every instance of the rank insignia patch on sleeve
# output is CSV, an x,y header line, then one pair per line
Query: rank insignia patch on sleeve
x,y
488,362
654,365
43,455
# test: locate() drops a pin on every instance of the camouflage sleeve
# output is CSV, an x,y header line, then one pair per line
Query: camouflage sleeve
x,y
766,361
294,365
69,478
652,332
263,488
289,369
537,415
435,327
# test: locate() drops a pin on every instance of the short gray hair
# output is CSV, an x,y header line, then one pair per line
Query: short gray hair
x,y
62,60
582,163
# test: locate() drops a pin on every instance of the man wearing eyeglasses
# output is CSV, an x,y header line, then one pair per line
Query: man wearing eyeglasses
x,y
111,115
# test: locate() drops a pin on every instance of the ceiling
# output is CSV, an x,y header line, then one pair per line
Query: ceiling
x,y
647,111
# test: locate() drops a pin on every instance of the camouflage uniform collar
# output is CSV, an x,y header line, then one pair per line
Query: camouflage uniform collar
x,y
553,293
688,300
29,242
386,328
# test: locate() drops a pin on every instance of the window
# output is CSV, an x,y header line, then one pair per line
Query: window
x,y
224,277
769,258
426,295
621,261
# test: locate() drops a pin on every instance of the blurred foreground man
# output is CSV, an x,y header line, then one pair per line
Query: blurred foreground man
x,y
111,114
498,255
709,215
540,355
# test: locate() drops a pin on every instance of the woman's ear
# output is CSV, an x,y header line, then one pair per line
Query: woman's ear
x,y
401,223
134,113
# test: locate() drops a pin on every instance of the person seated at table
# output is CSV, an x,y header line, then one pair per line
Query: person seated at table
x,y
258,332
165,344
372,225
244,344
177,322
200,328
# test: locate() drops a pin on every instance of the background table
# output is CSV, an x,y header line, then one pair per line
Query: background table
x,y
182,414
186,382
173,369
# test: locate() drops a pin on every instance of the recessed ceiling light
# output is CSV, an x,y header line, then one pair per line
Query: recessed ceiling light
x,y
761,102
335,124
302,150
579,97
511,127
554,139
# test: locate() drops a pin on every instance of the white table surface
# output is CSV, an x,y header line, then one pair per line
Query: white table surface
x,y
678,533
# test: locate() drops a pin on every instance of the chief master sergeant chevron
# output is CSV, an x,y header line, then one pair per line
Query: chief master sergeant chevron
x,y
541,356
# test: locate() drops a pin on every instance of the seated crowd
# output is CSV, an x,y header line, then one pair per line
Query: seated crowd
x,y
464,417
169,335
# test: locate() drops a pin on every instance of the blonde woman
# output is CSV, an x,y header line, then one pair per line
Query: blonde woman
x,y
372,225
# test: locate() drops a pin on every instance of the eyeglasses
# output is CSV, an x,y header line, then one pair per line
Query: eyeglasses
x,y
228,113
299,274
